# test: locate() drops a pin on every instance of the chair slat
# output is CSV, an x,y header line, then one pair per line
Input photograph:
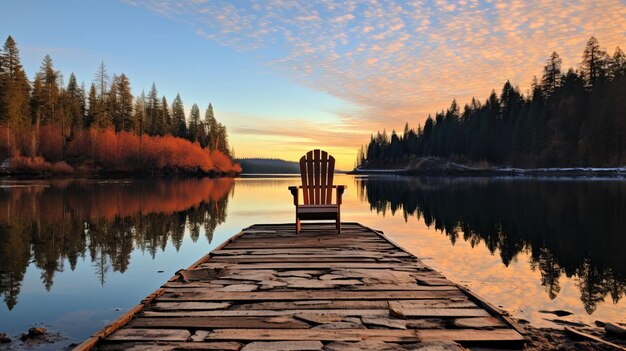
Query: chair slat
x,y
324,178
331,173
309,171
305,192
316,180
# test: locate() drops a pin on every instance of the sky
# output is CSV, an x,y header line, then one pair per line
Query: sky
x,y
287,76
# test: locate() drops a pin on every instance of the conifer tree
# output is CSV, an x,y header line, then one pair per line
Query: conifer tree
x,y
102,79
178,118
166,117
75,104
14,93
93,108
154,125
102,112
125,102
194,123
594,62
65,117
139,114
211,127
112,105
37,110
221,143
50,91
551,74
618,63
102,117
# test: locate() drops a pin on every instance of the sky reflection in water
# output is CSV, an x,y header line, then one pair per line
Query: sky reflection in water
x,y
75,254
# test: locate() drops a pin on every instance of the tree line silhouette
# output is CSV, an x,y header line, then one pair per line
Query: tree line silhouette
x,y
268,166
46,122
572,118
51,226
549,220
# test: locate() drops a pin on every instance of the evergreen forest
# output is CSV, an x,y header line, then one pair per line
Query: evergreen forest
x,y
568,118
47,125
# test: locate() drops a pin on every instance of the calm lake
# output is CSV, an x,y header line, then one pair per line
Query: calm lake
x,y
75,254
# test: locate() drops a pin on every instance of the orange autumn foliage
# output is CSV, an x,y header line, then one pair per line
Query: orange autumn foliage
x,y
39,164
124,152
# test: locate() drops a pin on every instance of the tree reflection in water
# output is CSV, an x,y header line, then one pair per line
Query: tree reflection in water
x,y
55,223
573,227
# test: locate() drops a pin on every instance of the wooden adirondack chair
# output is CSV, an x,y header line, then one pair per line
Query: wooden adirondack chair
x,y
317,169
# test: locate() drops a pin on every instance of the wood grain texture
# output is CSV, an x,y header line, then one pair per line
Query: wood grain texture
x,y
273,289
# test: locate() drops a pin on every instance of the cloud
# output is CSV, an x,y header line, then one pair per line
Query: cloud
x,y
399,60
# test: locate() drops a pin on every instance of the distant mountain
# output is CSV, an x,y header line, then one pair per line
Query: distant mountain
x,y
268,166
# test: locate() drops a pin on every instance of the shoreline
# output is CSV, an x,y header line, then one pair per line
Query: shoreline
x,y
36,175
464,171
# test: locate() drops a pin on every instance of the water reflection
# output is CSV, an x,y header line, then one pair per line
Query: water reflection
x,y
51,224
571,228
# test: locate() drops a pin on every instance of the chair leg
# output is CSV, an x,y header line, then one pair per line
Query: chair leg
x,y
297,225
338,224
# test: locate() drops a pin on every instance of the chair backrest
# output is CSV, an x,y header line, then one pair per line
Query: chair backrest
x,y
317,169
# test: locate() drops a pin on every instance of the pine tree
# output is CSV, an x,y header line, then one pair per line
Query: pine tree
x,y
594,62
360,157
179,125
102,79
124,103
154,125
112,105
221,143
65,117
211,127
194,123
14,93
139,114
102,118
50,91
166,117
37,109
93,108
46,98
618,64
75,104
551,79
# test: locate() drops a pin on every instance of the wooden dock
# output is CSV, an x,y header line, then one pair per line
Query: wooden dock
x,y
269,289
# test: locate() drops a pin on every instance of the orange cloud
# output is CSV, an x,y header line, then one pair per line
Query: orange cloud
x,y
408,58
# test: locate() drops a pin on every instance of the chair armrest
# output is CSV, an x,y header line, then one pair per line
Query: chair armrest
x,y
340,190
294,192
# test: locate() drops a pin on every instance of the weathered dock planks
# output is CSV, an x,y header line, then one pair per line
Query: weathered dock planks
x,y
270,289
